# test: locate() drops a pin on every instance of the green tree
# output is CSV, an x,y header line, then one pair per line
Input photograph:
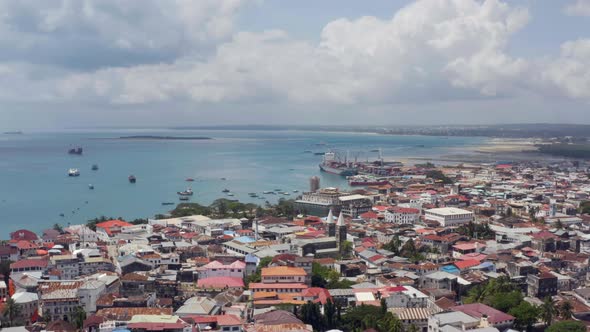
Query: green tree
x,y
256,276
5,270
506,301
390,323
346,249
525,315
413,328
330,314
548,311
567,326
79,317
58,228
565,310
394,245
46,317
310,314
11,310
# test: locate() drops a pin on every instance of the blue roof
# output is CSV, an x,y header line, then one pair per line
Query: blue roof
x,y
451,269
485,265
228,233
245,239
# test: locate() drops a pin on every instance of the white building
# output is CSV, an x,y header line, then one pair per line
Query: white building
x,y
405,297
28,303
402,215
449,216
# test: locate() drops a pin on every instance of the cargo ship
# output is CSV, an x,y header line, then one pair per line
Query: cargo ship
x,y
364,180
331,165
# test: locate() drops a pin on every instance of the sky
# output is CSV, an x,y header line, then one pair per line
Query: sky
x,y
85,63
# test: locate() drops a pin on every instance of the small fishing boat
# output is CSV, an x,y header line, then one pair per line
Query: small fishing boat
x,y
73,172
286,193
188,192
77,150
184,198
230,194
132,179
295,191
223,179
190,180
167,203
278,189
95,167
267,192
225,191
91,186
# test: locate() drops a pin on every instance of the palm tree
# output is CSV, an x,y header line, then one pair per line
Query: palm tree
x,y
79,317
565,310
11,310
548,311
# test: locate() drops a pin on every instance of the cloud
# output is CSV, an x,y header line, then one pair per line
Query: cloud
x,y
435,49
578,8
428,51
86,34
570,72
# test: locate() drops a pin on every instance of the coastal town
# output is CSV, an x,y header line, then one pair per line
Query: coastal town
x,y
490,247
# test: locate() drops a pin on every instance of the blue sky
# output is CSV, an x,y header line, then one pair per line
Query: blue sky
x,y
157,62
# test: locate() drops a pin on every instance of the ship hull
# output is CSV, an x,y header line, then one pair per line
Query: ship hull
x,y
337,171
367,183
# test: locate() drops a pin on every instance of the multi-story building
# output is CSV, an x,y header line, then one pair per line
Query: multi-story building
x,y
320,202
355,205
59,299
29,305
404,297
402,215
283,274
449,216
541,285
218,269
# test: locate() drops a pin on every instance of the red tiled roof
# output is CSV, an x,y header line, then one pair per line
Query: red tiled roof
x,y
259,285
220,282
467,263
225,320
106,225
24,234
398,209
29,263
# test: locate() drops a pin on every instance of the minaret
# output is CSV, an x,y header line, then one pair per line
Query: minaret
x,y
331,224
341,237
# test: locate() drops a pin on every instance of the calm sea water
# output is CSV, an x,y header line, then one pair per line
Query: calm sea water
x,y
35,188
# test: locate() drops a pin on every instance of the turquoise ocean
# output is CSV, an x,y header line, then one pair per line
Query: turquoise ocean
x,y
35,188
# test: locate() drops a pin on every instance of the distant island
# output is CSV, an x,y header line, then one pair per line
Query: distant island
x,y
152,137
18,132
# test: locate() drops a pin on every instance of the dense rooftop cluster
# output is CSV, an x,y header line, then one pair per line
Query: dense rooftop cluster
x,y
474,247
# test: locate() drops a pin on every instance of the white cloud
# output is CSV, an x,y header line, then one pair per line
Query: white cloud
x,y
103,33
430,50
578,8
436,49
570,72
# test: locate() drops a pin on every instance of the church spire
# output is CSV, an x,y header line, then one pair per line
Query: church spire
x,y
341,219
330,218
